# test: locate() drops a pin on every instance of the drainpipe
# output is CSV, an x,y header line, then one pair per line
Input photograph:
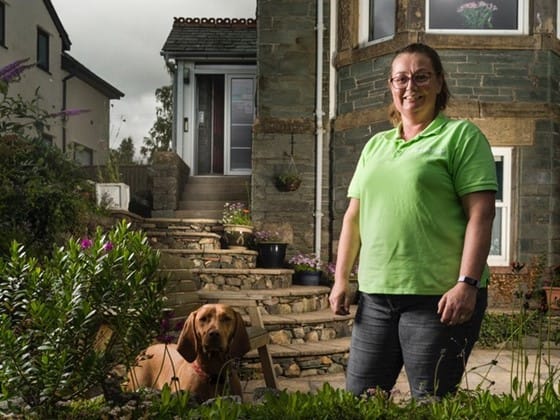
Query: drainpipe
x,y
64,104
319,131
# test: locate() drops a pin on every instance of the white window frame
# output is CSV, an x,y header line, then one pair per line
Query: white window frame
x,y
558,19
363,25
504,205
522,23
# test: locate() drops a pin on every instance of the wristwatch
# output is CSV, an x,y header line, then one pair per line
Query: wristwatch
x,y
469,281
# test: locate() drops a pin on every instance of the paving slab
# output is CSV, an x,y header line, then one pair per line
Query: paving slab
x,y
487,369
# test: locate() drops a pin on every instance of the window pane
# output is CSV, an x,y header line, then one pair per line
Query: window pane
x,y
241,159
496,245
495,14
43,50
241,136
499,160
2,24
382,19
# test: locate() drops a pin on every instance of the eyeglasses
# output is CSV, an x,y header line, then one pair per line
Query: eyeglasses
x,y
419,79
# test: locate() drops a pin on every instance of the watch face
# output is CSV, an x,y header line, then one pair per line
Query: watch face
x,y
469,280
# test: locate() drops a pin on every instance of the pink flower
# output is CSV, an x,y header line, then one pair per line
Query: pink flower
x,y
108,246
86,243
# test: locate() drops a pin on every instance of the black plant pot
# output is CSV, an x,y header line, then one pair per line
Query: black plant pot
x,y
271,255
307,278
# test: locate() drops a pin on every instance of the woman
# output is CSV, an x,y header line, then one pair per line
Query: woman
x,y
420,216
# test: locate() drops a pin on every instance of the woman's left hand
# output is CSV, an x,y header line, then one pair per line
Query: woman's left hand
x,y
457,305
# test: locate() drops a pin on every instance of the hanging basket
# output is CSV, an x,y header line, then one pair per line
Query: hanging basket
x,y
289,180
287,183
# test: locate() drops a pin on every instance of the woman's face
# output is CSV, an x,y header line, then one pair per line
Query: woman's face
x,y
415,86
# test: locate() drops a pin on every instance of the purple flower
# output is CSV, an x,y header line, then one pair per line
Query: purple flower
x,y
86,243
108,246
13,70
69,112
305,262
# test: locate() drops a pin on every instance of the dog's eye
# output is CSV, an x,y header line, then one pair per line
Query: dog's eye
x,y
203,318
225,318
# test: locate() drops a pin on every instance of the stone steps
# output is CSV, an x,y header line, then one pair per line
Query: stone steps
x,y
212,279
301,359
306,338
307,327
285,301
215,258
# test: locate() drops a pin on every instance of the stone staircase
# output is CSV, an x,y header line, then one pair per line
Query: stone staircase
x,y
306,338
211,192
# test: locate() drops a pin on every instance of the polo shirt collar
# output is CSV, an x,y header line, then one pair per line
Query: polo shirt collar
x,y
439,121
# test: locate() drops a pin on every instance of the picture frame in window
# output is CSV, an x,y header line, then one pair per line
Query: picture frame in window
x,y
470,17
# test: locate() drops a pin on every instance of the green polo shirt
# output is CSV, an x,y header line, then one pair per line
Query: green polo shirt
x,y
412,223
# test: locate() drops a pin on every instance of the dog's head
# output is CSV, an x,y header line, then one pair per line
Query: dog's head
x,y
213,329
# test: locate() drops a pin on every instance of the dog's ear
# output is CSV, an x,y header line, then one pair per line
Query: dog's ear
x,y
239,344
187,344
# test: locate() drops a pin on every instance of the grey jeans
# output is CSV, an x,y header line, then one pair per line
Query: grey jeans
x,y
395,330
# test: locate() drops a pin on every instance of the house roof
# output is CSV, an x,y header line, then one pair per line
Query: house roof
x,y
212,39
61,31
73,66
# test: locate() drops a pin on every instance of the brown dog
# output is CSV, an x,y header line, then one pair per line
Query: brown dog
x,y
202,360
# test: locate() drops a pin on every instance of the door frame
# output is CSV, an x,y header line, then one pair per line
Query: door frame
x,y
189,112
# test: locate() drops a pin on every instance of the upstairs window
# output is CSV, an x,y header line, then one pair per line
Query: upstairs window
x,y
2,24
42,50
377,20
489,17
499,249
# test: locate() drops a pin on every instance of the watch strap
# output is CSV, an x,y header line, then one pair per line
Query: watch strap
x,y
469,280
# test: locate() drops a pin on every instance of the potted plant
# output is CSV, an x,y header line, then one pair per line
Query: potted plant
x,y
111,192
287,182
238,227
290,179
307,269
271,248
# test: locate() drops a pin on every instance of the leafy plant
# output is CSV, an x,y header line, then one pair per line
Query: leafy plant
x,y
236,214
42,191
477,14
305,262
268,236
289,181
67,322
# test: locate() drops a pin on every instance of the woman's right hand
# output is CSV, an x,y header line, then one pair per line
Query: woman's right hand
x,y
338,299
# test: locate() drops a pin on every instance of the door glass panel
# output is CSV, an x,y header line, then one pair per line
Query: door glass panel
x,y
241,136
239,158
241,122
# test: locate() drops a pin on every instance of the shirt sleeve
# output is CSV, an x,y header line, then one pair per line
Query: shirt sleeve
x,y
473,167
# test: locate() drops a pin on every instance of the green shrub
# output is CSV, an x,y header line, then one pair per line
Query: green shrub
x,y
52,314
42,191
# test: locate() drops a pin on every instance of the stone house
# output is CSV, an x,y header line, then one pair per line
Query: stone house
x,y
32,29
320,92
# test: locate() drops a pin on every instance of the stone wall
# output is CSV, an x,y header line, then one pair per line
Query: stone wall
x,y
169,174
286,119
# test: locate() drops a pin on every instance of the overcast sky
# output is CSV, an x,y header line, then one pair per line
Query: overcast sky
x,y
121,40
